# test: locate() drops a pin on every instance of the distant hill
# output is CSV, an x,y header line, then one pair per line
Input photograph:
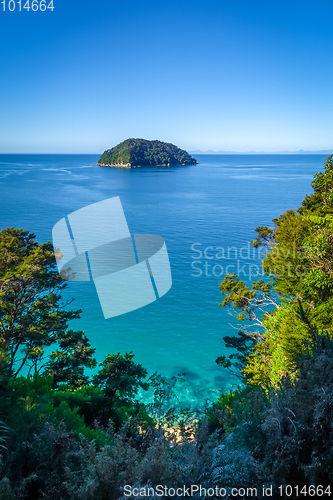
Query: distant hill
x,y
299,152
142,153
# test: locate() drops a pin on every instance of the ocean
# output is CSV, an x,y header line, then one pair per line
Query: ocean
x,y
206,214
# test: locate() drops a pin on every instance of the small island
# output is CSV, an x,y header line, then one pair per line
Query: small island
x,y
134,153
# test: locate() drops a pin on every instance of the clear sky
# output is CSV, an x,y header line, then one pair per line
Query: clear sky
x,y
211,74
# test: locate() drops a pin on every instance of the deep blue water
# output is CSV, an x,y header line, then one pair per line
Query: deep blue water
x,y
217,203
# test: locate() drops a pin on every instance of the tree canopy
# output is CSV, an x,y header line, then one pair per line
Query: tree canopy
x,y
32,316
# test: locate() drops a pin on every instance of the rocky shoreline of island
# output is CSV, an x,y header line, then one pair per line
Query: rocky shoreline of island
x,y
116,165
128,165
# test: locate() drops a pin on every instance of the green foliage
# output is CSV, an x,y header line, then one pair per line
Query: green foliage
x,y
119,380
265,236
321,201
284,436
299,262
277,353
140,152
320,254
67,364
55,463
29,402
247,300
70,438
120,377
300,420
32,317
242,345
234,408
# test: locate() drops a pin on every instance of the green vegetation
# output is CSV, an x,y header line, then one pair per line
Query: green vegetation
x,y
299,272
31,316
142,153
65,435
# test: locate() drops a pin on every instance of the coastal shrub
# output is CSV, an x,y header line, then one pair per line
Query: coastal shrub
x,y
38,463
297,447
56,463
235,408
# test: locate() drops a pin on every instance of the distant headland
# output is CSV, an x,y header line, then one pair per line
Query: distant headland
x,y
299,152
134,153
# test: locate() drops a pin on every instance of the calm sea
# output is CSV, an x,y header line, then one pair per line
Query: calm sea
x,y
206,213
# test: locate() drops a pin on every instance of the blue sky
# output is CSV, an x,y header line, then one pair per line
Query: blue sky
x,y
221,75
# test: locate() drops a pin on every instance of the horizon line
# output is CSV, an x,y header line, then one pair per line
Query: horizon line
x,y
286,152
206,152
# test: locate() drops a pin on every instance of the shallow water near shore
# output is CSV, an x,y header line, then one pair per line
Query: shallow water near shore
x,y
206,213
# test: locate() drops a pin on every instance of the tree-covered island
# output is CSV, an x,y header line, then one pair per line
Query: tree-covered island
x,y
134,153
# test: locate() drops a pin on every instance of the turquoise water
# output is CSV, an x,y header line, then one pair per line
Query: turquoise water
x,y
214,205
